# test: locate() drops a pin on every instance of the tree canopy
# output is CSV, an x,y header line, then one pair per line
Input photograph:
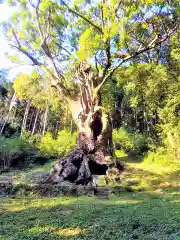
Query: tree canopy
x,y
57,35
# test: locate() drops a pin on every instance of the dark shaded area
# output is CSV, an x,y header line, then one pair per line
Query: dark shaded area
x,y
96,125
22,162
79,167
10,131
3,92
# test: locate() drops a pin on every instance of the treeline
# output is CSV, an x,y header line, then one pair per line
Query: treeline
x,y
28,106
143,99
147,99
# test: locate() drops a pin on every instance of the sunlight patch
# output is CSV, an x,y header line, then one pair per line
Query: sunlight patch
x,y
66,232
176,201
128,201
3,238
170,184
11,208
16,205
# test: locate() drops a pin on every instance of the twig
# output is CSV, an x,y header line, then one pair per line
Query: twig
x,y
82,16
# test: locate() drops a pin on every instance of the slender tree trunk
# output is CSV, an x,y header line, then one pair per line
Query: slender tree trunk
x,y
5,122
35,121
8,115
45,120
146,123
25,116
65,118
71,126
31,118
11,119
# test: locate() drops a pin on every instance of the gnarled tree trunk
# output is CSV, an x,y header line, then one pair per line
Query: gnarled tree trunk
x,y
95,145
89,115
97,127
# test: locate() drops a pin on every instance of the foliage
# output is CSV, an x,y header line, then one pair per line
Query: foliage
x,y
150,102
32,139
140,36
144,86
131,143
36,87
12,148
60,146
171,139
109,94
49,146
53,33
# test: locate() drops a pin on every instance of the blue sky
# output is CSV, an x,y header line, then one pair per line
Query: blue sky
x,y
5,13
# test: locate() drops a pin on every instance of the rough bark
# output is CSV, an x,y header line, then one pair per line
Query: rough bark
x,y
94,153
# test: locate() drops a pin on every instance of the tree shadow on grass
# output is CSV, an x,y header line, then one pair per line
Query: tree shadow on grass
x,y
131,159
129,216
141,179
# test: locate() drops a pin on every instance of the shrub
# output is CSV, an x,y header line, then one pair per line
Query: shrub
x,y
161,162
60,146
32,139
11,149
171,139
131,143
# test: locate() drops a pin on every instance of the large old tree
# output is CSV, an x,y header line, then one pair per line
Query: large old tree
x,y
81,44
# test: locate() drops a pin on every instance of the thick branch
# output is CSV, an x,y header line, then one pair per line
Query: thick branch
x,y
16,38
83,17
34,60
47,52
55,82
61,88
102,14
108,59
96,63
19,47
154,43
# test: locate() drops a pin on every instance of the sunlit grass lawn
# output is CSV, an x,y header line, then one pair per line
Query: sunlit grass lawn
x,y
152,211
128,216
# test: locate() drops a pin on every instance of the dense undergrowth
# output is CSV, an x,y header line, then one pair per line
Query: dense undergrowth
x,y
30,147
49,146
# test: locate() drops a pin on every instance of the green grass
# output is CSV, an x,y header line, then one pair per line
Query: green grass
x,y
28,175
128,216
151,212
